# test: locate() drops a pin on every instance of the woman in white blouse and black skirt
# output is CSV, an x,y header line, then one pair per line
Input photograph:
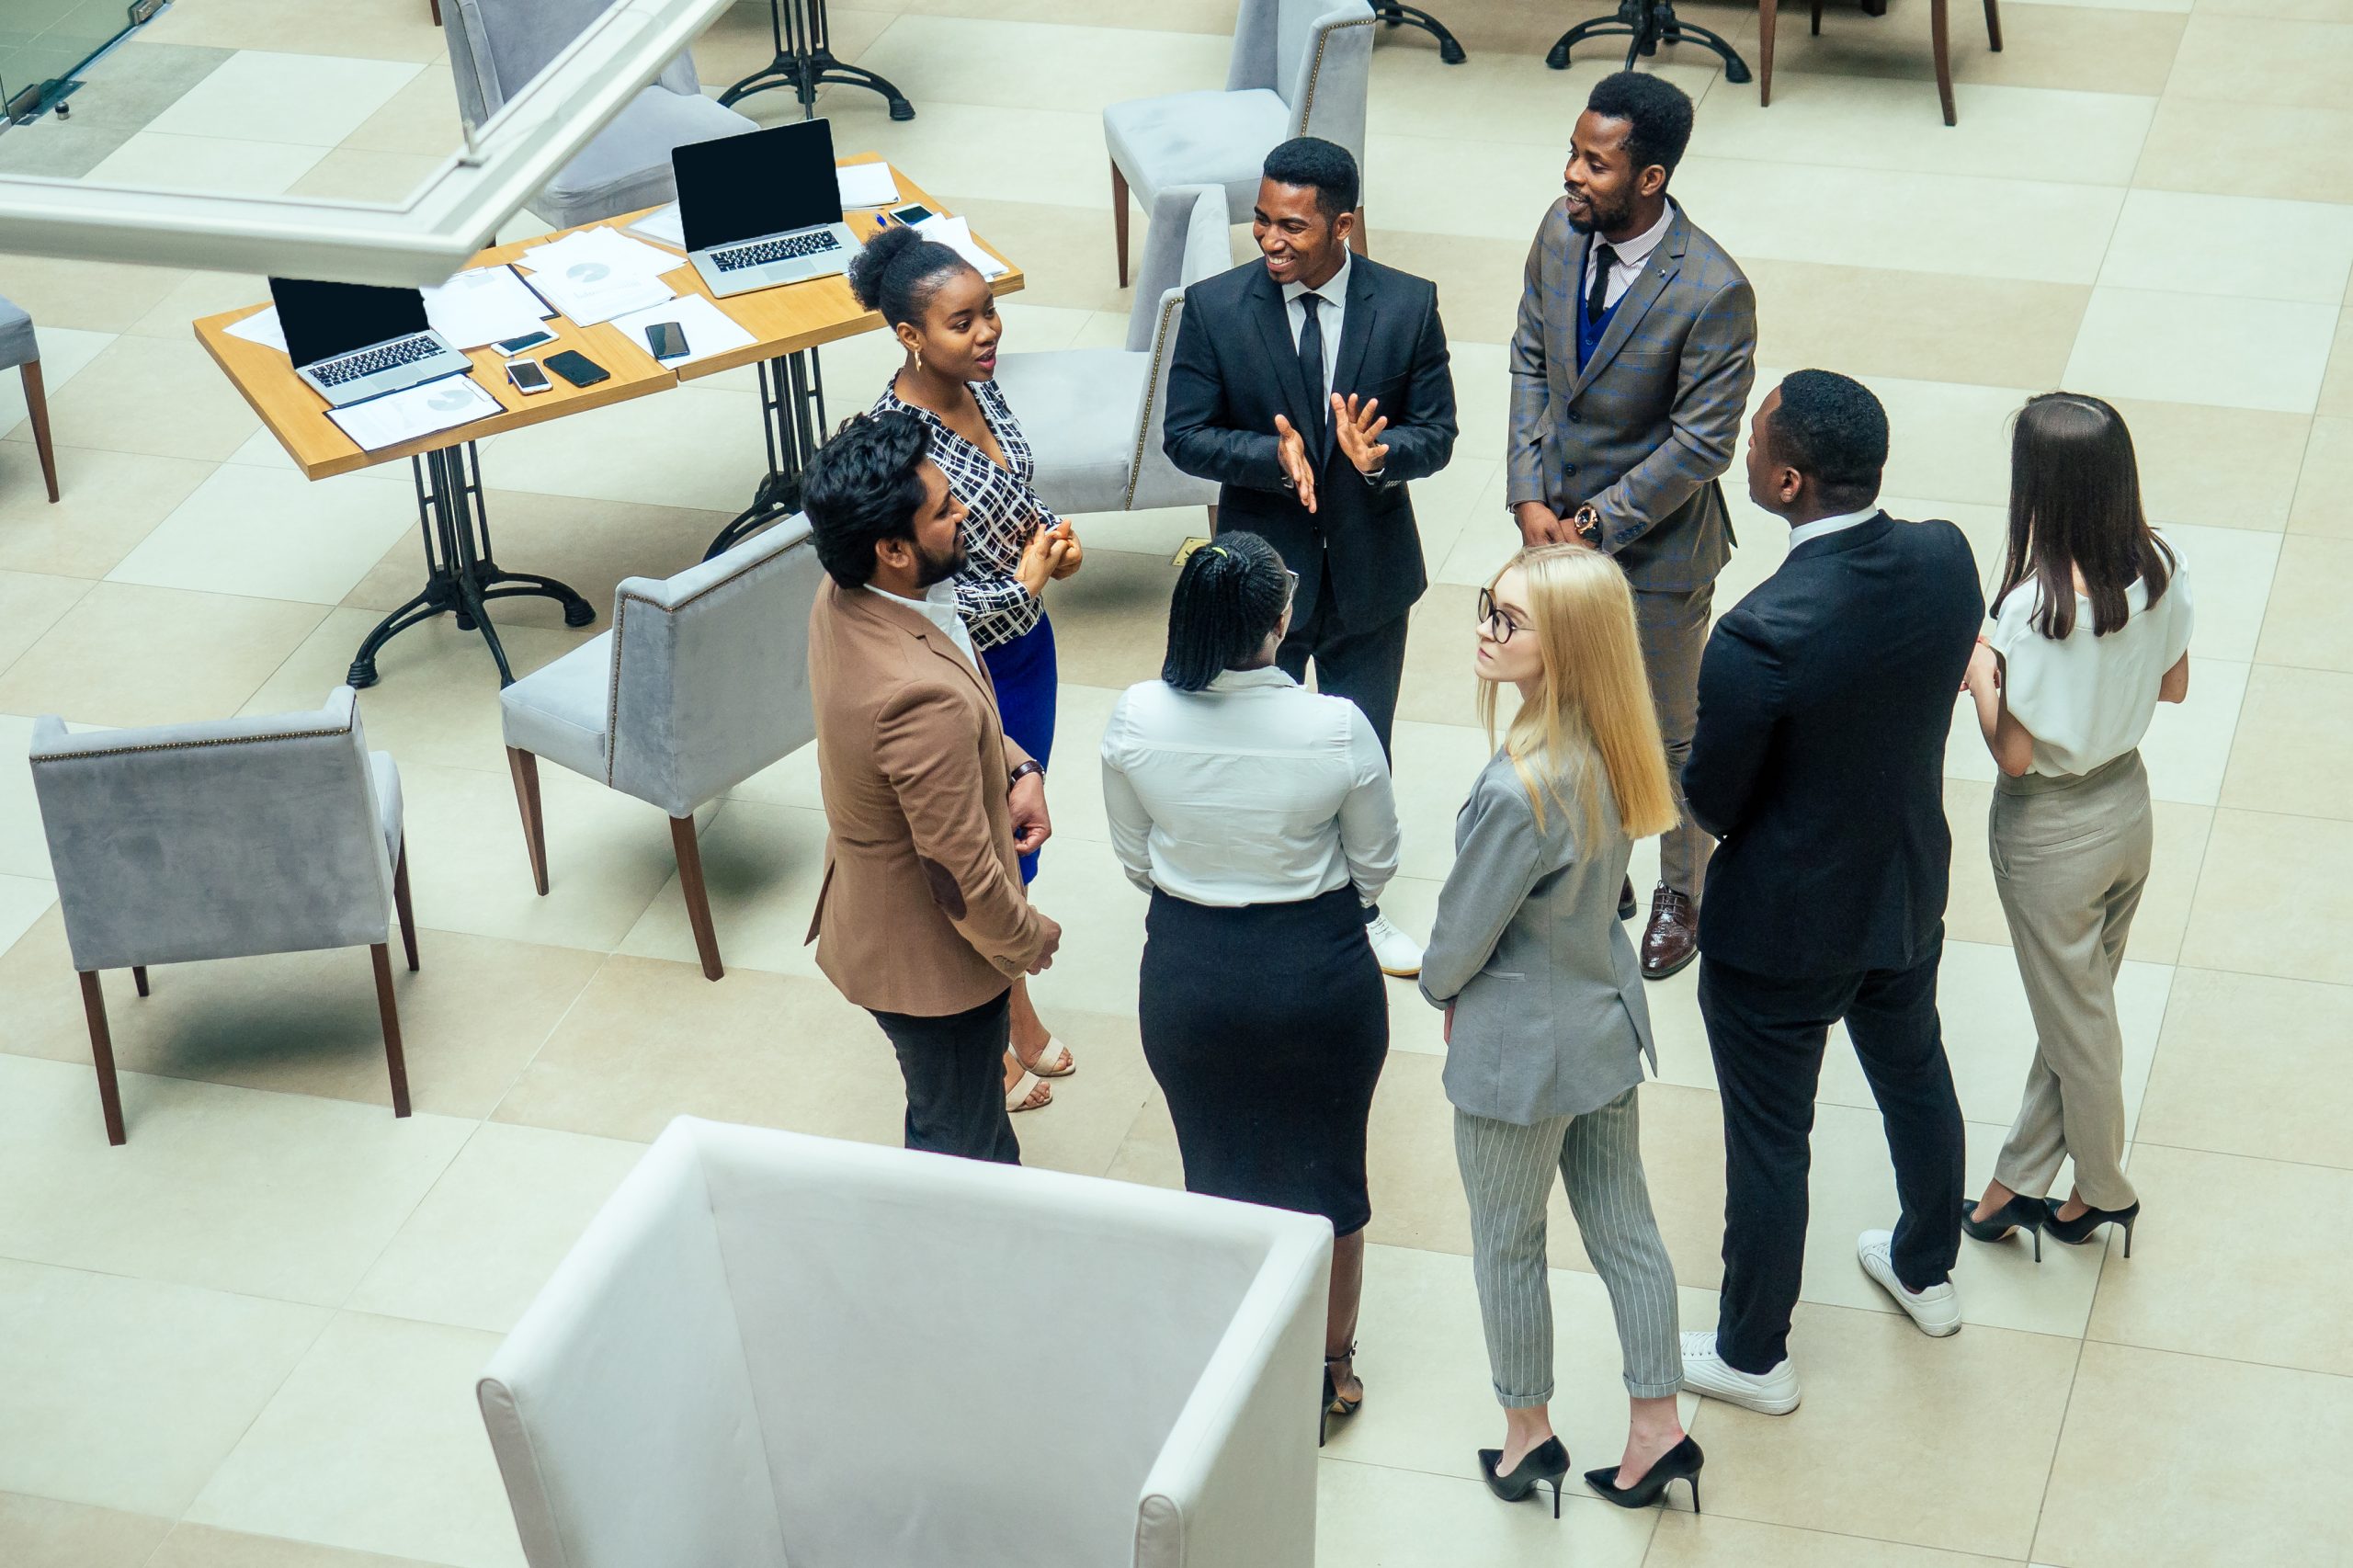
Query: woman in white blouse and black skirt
x,y
2091,631
1259,816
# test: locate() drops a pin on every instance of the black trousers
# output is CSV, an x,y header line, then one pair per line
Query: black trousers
x,y
1767,1034
954,1067
1365,664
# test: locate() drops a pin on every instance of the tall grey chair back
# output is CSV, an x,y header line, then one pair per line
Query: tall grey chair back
x,y
225,839
702,681
497,46
20,348
1299,68
1094,416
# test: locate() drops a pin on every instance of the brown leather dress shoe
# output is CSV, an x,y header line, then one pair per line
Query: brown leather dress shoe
x,y
1671,940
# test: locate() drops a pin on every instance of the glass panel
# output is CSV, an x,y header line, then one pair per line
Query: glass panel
x,y
43,42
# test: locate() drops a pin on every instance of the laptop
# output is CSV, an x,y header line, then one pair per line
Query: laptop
x,y
763,208
355,341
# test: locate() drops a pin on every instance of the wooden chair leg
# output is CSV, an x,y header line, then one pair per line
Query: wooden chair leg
x,y
525,767
1943,42
1120,219
94,1008
1994,24
1767,14
401,904
690,882
435,5
37,410
395,1063
139,977
1360,239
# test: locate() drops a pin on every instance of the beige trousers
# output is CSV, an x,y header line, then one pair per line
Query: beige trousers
x,y
2070,858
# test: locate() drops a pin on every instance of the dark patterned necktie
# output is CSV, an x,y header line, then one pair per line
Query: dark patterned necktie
x,y
1604,258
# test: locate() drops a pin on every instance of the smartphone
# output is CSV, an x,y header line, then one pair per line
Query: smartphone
x,y
513,345
527,377
578,369
668,340
914,212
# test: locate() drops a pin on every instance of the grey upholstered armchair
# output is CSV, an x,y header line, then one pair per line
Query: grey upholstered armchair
x,y
220,840
1300,68
495,46
702,681
1093,415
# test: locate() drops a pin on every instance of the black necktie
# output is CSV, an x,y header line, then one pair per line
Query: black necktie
x,y
1595,298
1311,365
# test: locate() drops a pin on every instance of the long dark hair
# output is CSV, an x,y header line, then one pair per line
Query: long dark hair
x,y
2075,507
1232,592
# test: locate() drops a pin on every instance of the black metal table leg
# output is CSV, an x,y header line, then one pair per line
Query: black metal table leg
x,y
1646,24
1397,14
793,423
804,60
460,577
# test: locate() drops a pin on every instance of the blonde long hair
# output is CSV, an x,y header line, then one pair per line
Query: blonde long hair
x,y
1594,701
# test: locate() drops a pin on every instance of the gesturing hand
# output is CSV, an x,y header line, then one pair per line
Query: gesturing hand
x,y
1291,450
1358,432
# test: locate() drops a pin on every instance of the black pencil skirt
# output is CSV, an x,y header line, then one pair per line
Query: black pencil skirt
x,y
1267,1027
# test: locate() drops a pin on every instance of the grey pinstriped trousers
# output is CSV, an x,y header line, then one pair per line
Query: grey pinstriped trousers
x,y
1508,1175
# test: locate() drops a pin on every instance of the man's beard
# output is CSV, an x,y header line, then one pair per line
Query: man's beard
x,y
939,568
1604,218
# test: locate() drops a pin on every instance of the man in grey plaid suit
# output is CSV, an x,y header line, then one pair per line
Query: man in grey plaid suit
x,y
1629,374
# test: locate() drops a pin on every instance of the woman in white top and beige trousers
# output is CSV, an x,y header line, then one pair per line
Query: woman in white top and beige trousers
x,y
2091,631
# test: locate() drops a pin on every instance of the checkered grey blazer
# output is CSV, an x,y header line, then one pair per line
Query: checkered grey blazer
x,y
1643,431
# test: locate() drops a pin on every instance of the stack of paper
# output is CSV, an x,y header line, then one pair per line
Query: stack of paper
x,y
400,416
484,306
664,226
956,233
709,329
261,327
599,273
868,184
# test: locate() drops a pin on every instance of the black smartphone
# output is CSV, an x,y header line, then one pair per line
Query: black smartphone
x,y
578,369
667,339
513,345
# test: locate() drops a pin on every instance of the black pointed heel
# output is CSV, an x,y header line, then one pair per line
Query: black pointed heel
x,y
1680,1463
2020,1213
2080,1229
1333,1403
1547,1461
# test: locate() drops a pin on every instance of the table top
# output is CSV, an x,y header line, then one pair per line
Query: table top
x,y
782,321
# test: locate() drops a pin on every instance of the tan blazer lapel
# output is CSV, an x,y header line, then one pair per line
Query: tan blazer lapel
x,y
902,620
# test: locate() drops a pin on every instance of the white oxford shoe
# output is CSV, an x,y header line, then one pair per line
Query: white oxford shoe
x,y
1936,1310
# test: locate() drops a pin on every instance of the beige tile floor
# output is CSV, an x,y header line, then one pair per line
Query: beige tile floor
x,y
248,1336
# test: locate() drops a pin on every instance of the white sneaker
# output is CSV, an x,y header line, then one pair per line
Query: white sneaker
x,y
1399,955
1704,1371
1936,1310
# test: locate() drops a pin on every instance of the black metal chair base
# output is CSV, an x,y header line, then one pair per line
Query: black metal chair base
x,y
460,577
792,420
803,62
1397,14
1646,24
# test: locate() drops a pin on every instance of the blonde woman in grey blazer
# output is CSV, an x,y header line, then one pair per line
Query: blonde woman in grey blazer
x,y
1546,1024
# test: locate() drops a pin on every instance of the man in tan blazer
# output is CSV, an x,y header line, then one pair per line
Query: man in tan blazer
x,y
922,919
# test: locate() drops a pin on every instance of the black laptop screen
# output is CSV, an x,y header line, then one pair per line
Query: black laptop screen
x,y
762,182
323,320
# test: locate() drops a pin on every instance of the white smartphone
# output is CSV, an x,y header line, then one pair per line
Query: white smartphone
x,y
527,376
911,214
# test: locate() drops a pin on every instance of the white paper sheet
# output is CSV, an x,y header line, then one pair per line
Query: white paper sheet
x,y
484,306
262,327
956,233
868,184
664,225
602,246
708,329
404,416
589,292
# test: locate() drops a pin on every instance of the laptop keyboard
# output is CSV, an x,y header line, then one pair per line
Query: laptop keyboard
x,y
785,249
368,361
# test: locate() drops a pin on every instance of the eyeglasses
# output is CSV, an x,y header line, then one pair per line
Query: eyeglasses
x,y
1490,615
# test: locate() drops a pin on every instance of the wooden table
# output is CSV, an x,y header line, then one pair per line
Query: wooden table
x,y
787,325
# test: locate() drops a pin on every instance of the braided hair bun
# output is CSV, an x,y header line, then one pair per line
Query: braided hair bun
x,y
1231,594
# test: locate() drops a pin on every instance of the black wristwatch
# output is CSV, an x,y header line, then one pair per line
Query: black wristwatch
x,y
1024,771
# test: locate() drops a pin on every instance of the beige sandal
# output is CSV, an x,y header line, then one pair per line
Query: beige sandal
x,y
1027,1093
1046,1052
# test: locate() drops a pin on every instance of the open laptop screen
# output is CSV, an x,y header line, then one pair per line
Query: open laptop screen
x,y
762,182
323,320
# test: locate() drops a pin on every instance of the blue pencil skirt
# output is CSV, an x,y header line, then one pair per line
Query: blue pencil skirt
x,y
1025,675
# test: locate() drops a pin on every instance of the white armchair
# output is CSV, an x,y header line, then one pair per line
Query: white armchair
x,y
771,1350
702,681
1300,68
1094,416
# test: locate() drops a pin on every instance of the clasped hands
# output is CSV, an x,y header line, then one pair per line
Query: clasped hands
x,y
1051,555
1357,424
1538,524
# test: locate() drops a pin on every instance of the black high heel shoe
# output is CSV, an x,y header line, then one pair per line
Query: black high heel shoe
x,y
1680,1463
1547,1461
2020,1213
1334,1404
2080,1229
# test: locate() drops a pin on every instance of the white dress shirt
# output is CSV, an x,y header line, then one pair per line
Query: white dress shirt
x,y
937,605
1821,525
1253,792
2087,699
1622,271
1335,295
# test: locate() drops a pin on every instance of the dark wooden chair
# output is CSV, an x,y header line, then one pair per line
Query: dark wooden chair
x,y
1939,33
